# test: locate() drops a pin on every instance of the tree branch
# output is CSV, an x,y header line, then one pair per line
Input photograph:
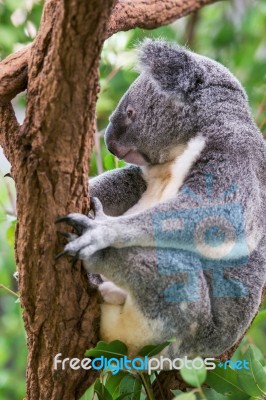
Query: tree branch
x,y
150,14
126,14
14,75
9,129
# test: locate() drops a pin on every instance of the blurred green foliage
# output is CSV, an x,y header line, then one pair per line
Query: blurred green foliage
x,y
233,33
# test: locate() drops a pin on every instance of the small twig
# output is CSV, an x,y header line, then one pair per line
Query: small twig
x,y
11,199
261,108
200,391
159,385
8,290
191,27
263,122
100,133
112,74
147,385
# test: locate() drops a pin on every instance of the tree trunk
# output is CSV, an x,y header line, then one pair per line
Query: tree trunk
x,y
50,168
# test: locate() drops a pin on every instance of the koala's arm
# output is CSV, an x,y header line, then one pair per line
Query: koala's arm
x,y
119,189
139,229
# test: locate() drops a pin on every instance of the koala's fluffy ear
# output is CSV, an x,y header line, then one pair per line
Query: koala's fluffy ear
x,y
172,67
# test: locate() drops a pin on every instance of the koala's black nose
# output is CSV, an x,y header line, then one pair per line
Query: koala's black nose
x,y
112,148
109,134
109,138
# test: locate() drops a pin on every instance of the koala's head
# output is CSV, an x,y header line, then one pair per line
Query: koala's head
x,y
160,110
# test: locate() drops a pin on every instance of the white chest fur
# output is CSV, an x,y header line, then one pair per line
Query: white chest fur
x,y
164,180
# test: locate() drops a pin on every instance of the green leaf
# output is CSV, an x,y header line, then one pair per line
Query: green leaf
x,y
211,394
253,381
109,162
238,354
225,381
194,377
101,391
88,395
124,396
257,352
121,163
152,350
177,392
130,388
113,382
261,316
115,349
10,233
186,396
255,398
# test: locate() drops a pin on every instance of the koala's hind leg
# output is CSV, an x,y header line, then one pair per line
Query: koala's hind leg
x,y
130,272
111,293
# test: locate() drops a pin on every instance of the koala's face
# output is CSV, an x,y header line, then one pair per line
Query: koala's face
x,y
176,95
144,127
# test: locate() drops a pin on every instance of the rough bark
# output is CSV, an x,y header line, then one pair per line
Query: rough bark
x,y
126,14
50,158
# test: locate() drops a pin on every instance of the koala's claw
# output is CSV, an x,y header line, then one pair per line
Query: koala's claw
x,y
93,234
78,221
60,255
69,236
65,252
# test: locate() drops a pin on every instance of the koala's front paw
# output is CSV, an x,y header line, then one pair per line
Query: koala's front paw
x,y
93,233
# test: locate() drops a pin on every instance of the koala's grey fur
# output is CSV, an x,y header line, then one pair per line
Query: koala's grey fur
x,y
179,96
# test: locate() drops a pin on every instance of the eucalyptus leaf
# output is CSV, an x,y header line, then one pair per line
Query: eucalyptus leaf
x,y
152,350
10,233
115,349
211,394
194,377
88,395
113,383
186,396
253,381
101,391
261,316
130,388
176,392
109,162
257,352
225,381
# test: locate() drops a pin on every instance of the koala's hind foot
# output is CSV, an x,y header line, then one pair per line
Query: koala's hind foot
x,y
112,294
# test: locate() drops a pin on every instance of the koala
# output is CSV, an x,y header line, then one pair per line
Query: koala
x,y
179,233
